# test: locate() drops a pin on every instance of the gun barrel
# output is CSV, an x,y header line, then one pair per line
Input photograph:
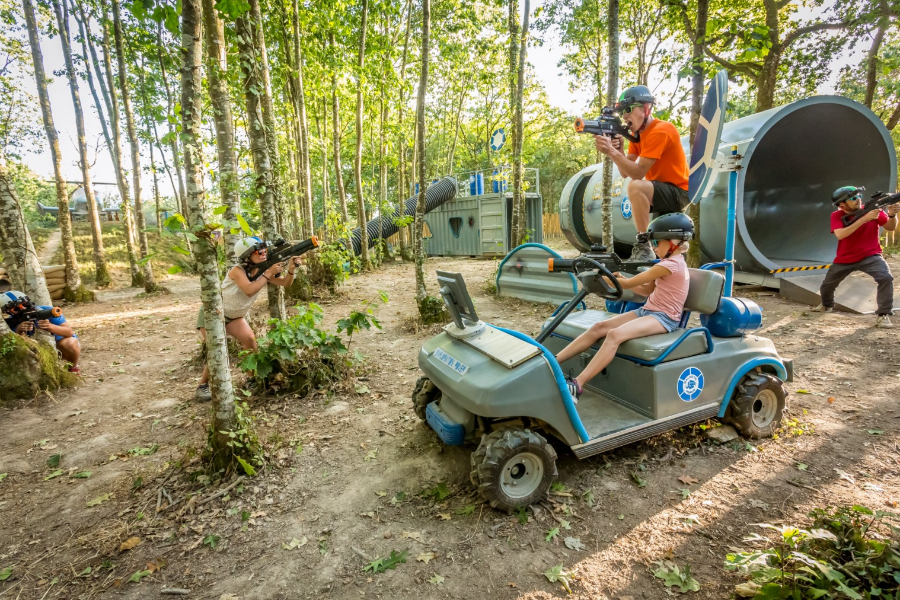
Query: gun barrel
x,y
561,265
285,252
46,313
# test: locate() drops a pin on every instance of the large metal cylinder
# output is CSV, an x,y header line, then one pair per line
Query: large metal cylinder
x,y
794,157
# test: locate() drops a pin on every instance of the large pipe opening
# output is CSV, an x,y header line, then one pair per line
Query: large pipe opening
x,y
795,164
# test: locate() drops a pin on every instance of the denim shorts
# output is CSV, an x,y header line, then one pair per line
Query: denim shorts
x,y
668,322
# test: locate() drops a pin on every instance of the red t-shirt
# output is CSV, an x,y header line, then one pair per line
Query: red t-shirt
x,y
860,244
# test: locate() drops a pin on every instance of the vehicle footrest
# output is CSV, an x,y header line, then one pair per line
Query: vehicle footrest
x,y
451,432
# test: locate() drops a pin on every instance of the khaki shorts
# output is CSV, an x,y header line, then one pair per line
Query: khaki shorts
x,y
202,325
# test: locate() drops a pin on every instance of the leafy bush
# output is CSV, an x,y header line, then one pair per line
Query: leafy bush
x,y
297,355
850,553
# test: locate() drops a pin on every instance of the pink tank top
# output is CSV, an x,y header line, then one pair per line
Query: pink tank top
x,y
671,291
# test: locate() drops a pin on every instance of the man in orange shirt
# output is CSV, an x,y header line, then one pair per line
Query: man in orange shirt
x,y
656,164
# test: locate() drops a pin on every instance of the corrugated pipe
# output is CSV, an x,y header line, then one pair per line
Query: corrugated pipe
x,y
437,193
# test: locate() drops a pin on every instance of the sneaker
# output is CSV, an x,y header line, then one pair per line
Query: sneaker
x,y
821,308
883,322
203,394
643,253
74,369
574,388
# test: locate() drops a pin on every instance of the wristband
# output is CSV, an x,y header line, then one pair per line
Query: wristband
x,y
266,276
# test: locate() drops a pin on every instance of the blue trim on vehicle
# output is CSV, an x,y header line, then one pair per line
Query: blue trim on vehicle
x,y
715,265
742,371
552,252
652,363
567,400
563,305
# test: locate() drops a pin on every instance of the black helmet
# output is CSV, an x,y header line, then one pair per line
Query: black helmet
x,y
673,226
635,95
848,192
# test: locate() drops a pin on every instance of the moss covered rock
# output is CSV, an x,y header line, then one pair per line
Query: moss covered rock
x,y
28,367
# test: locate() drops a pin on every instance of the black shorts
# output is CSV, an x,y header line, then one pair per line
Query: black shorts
x,y
667,198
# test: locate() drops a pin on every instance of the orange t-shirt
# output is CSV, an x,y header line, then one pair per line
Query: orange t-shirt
x,y
660,140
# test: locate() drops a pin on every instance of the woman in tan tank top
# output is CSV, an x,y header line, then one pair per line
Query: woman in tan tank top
x,y
239,294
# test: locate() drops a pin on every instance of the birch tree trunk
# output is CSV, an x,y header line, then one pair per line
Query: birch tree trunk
x,y
217,74
421,292
101,270
612,85
137,279
149,280
518,167
357,162
252,84
25,272
173,139
268,114
402,183
336,135
303,142
224,416
74,290
697,81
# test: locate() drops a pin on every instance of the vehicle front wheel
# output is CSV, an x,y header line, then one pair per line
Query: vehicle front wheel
x,y
424,394
513,468
758,405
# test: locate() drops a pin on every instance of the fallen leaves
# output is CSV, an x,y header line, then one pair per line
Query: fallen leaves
x,y
53,475
380,565
129,544
875,431
53,460
558,573
688,480
98,500
672,577
295,543
412,535
82,475
425,557
573,543
211,540
2,476
136,578
802,466
552,534
372,455
437,579
5,573
444,516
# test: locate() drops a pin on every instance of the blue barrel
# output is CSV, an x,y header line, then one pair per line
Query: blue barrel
x,y
476,184
621,306
733,318
499,184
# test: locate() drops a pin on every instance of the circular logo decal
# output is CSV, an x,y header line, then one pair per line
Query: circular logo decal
x,y
690,384
498,138
626,207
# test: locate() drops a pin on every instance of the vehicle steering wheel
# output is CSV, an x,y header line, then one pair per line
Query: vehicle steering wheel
x,y
599,284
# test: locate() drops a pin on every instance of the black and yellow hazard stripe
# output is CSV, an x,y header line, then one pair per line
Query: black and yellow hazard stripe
x,y
793,269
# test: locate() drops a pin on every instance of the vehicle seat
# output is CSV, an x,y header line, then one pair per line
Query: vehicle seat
x,y
703,296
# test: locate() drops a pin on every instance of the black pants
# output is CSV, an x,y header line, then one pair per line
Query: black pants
x,y
871,265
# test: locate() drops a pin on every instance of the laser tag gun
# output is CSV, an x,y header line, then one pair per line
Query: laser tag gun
x,y
608,123
280,251
877,201
22,309
593,268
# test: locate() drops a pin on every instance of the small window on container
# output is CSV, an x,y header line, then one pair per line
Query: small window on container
x,y
455,225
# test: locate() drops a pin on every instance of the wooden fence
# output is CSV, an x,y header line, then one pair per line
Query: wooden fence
x,y
551,226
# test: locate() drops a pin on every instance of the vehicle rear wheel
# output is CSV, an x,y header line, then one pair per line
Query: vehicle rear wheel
x,y
758,405
513,468
424,394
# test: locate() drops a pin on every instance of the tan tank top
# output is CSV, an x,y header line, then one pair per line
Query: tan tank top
x,y
235,303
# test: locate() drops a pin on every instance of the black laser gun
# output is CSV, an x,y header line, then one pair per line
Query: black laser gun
x,y
878,201
280,251
25,310
608,123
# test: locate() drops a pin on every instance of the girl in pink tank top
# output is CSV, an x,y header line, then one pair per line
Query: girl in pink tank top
x,y
666,286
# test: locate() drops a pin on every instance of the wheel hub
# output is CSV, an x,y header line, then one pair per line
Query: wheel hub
x,y
765,405
522,475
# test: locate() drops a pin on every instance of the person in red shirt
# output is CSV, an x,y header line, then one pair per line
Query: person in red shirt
x,y
656,165
859,250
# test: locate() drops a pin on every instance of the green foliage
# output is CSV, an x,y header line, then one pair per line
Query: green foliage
x,y
243,446
380,565
432,310
848,552
436,493
297,355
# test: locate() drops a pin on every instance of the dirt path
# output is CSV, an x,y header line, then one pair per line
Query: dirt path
x,y
46,253
346,470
